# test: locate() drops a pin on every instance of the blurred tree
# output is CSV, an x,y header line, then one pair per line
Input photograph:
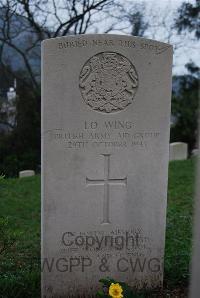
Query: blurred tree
x,y
6,80
189,18
129,20
138,23
185,103
185,108
20,147
24,24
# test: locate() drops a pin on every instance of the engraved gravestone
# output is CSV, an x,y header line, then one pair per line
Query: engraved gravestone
x,y
105,136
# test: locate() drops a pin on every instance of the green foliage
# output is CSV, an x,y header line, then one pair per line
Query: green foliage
x,y
20,149
185,111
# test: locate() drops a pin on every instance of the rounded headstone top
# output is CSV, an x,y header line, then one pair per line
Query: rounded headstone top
x,y
26,173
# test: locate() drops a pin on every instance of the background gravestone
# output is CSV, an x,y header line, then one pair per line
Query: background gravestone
x,y
105,136
178,151
26,173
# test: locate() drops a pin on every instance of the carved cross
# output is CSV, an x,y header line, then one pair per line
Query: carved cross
x,y
106,182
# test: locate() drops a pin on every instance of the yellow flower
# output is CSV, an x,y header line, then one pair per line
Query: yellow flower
x,y
115,291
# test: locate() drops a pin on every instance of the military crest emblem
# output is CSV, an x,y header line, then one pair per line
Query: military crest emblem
x,y
108,82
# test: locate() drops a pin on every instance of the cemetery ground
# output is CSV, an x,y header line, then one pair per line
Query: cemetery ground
x,y
20,234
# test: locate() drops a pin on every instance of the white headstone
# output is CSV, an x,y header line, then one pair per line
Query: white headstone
x,y
178,151
26,173
105,130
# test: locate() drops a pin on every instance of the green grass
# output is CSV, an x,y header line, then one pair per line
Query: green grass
x,y
179,220
20,204
19,265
